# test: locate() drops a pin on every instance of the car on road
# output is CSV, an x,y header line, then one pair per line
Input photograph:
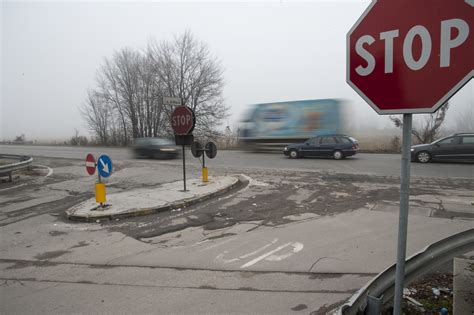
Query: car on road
x,y
336,146
156,148
456,147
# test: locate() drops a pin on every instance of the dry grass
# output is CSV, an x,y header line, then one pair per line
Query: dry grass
x,y
379,143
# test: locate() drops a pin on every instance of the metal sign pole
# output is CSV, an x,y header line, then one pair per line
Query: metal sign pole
x,y
184,169
403,216
98,173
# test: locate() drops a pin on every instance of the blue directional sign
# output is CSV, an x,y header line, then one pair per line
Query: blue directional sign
x,y
104,166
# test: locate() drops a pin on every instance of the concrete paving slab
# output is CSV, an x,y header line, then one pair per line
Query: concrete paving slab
x,y
457,206
150,200
463,283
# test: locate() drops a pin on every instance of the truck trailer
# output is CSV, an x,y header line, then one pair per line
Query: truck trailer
x,y
272,126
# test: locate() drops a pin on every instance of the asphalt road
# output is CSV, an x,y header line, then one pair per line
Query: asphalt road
x,y
377,164
301,237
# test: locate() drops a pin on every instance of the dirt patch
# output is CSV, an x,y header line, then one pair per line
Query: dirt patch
x,y
80,244
277,197
299,307
57,233
433,292
52,254
20,264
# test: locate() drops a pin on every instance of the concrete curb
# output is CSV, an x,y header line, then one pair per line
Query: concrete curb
x,y
241,182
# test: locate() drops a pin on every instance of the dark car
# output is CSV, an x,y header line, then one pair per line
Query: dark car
x,y
456,147
336,146
157,148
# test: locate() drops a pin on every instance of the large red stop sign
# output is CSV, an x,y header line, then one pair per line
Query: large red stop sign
x,y
411,56
183,120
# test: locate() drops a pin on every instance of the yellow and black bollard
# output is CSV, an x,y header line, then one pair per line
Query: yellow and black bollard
x,y
100,193
205,175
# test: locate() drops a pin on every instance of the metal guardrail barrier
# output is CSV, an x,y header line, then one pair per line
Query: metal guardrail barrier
x,y
23,162
379,292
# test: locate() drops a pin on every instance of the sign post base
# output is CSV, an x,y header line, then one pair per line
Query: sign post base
x,y
205,173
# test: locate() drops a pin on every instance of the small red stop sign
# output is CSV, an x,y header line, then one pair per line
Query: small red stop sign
x,y
183,120
90,164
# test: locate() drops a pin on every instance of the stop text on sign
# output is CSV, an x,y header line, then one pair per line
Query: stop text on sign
x,y
448,42
183,120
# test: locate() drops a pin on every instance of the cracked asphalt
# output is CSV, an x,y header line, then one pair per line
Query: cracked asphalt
x,y
288,240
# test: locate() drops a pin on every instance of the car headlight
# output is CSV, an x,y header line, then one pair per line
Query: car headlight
x,y
412,149
285,149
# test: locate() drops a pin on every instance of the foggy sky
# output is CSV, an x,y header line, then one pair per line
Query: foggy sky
x,y
270,51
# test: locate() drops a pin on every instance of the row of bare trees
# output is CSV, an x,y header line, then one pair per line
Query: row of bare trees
x,y
127,102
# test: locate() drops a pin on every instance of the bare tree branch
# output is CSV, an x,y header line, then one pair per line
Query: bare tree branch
x,y
429,129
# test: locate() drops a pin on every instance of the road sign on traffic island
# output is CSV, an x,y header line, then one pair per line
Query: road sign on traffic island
x,y
409,56
90,164
183,120
172,101
104,166
211,150
196,149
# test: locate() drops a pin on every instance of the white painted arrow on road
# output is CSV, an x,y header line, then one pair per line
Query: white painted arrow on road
x,y
272,255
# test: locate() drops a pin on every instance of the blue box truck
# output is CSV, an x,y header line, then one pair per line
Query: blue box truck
x,y
271,126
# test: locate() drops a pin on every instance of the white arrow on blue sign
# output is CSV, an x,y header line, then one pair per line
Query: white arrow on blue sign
x,y
104,166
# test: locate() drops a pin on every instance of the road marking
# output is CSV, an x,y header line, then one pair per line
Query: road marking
x,y
296,248
269,256
50,170
256,260
218,244
221,258
260,249
12,187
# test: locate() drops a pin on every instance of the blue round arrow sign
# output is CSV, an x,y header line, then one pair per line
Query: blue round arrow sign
x,y
104,166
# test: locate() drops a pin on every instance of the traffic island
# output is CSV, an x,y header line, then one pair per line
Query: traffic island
x,y
139,202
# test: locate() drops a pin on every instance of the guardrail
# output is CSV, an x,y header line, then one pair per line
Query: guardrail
x,y
379,292
24,162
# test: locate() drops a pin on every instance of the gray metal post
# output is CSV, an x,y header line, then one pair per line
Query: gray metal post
x,y
184,170
100,181
403,216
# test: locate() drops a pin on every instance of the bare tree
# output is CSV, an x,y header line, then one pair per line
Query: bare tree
x,y
150,106
96,112
188,70
129,82
127,102
109,90
429,128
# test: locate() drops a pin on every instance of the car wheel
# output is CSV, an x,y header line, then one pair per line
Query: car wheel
x,y
337,155
294,154
423,157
